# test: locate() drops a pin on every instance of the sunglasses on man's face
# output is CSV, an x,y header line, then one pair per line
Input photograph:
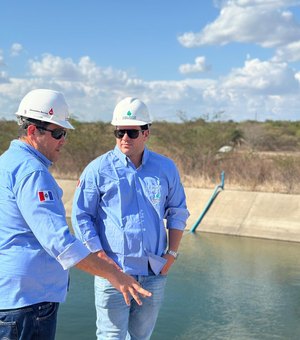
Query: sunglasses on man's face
x,y
55,133
131,133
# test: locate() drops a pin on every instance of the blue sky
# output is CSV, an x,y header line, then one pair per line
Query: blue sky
x,y
185,59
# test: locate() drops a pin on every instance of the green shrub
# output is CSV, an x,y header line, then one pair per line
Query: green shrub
x,y
263,153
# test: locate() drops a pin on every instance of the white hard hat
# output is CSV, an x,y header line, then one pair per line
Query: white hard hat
x,y
131,111
47,106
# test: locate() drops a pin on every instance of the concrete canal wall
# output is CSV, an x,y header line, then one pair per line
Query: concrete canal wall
x,y
253,214
241,213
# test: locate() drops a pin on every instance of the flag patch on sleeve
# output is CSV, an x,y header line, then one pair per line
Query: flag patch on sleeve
x,y
45,196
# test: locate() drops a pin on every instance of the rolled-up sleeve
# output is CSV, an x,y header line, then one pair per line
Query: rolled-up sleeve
x,y
73,254
176,213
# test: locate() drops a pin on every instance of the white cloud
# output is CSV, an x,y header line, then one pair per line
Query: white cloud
x,y
92,91
248,21
199,66
268,89
3,77
3,74
297,76
1,58
16,49
265,89
263,77
290,52
54,67
66,69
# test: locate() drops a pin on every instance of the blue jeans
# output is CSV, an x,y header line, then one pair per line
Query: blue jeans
x,y
116,320
34,322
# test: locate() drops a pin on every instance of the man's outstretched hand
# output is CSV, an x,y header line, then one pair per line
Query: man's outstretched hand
x,y
101,265
129,287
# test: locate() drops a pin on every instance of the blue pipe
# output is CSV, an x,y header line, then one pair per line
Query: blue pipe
x,y
213,196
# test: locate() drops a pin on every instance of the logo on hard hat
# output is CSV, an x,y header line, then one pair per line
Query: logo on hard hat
x,y
51,112
129,115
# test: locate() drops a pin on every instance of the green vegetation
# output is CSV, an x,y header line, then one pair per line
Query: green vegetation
x,y
264,157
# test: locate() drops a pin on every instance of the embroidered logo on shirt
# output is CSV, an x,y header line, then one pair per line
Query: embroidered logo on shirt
x,y
155,194
45,196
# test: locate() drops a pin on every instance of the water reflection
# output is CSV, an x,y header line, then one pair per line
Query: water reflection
x,y
222,287
232,288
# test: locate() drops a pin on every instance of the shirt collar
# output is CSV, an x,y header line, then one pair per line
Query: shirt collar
x,y
145,156
123,158
22,145
120,155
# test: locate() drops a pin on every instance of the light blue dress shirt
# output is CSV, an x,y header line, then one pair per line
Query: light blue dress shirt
x,y
36,248
125,211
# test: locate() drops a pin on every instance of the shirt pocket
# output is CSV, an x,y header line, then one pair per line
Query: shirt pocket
x,y
156,191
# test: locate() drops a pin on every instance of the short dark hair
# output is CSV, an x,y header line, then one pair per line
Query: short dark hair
x,y
145,127
24,122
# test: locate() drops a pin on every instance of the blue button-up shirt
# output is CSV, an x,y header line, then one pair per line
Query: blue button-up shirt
x,y
125,211
36,247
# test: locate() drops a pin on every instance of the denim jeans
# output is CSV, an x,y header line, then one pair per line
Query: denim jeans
x,y
34,322
116,320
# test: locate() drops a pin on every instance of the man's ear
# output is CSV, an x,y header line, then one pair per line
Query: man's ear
x,y
31,130
147,133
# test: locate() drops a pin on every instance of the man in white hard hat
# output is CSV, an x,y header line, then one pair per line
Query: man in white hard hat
x,y
120,204
36,247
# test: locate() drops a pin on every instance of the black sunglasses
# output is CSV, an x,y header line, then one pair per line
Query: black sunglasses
x,y
55,133
131,133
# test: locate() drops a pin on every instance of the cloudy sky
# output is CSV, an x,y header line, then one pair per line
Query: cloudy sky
x,y
186,59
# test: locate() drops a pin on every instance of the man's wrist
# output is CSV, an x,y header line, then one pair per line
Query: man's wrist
x,y
173,253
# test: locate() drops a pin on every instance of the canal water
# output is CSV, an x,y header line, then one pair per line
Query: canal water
x,y
222,287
